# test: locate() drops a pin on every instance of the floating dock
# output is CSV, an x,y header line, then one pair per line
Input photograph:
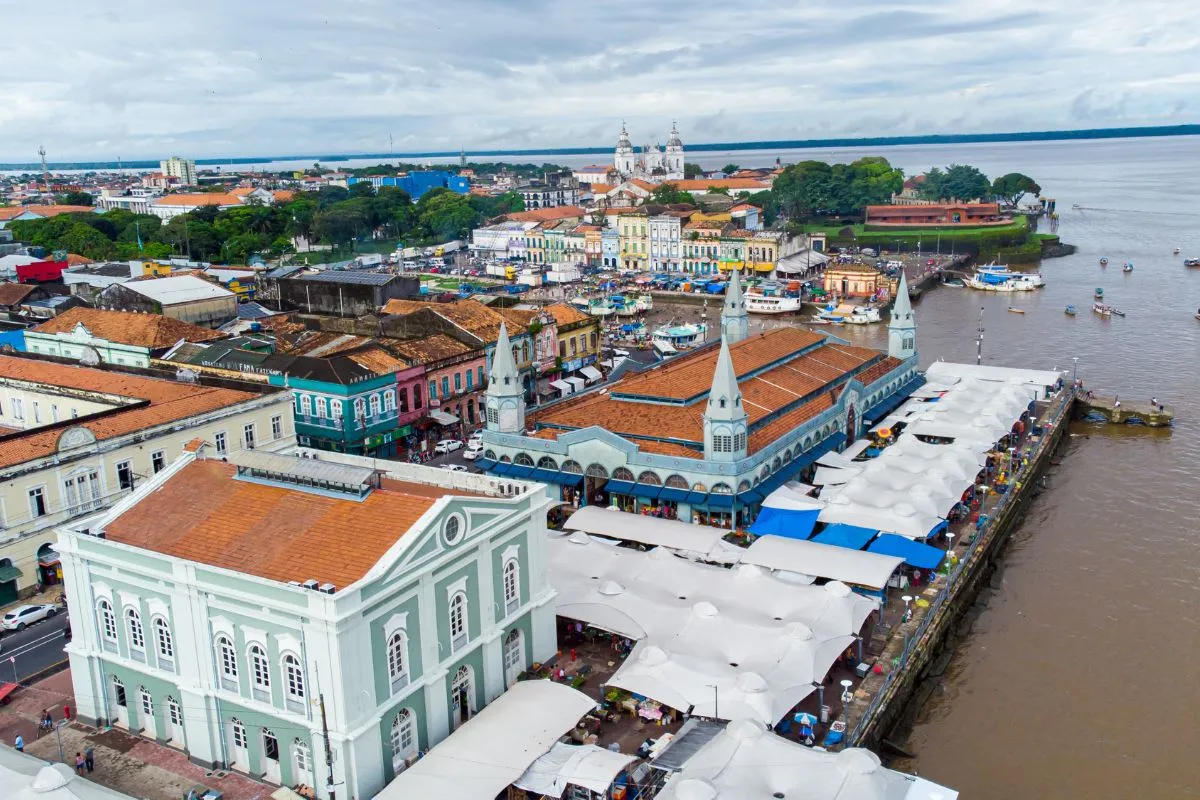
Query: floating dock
x,y
1122,413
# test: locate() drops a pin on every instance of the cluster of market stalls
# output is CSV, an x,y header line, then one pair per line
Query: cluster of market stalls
x,y
518,748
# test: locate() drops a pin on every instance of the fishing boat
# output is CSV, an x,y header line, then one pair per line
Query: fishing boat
x,y
679,337
1101,309
1116,311
1175,251
1191,262
1128,267
1099,293
1104,261
600,308
836,314
1015,310
864,315
1069,311
954,283
773,298
999,278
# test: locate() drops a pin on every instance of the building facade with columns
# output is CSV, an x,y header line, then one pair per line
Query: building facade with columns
x,y
224,607
707,435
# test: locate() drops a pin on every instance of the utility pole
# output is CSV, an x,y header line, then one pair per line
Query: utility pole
x,y
979,341
328,750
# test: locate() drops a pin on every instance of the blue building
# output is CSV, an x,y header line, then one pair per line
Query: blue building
x,y
416,184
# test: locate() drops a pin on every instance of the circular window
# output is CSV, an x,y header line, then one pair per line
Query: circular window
x,y
452,529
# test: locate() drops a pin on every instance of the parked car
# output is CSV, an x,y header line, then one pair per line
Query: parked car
x,y
22,617
473,451
455,468
447,446
476,436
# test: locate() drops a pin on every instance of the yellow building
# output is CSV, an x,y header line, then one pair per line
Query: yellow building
x,y
634,239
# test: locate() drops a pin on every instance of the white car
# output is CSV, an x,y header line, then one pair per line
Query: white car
x,y
448,446
473,451
455,468
477,436
23,616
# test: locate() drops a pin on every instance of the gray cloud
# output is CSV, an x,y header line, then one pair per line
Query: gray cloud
x,y
267,77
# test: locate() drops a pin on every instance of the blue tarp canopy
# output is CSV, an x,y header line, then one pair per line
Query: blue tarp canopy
x,y
719,500
793,523
619,487
915,554
518,471
842,535
674,495
646,491
941,526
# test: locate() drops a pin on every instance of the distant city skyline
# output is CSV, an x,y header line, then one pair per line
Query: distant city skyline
x,y
232,79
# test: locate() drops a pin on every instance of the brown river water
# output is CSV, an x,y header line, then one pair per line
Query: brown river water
x,y
1078,678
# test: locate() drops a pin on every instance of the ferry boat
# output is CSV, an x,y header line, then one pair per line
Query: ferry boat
x,y
864,315
999,278
1069,310
1191,262
772,298
671,338
1101,309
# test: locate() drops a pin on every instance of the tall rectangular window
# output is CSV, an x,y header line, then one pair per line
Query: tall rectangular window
x,y
125,475
37,502
276,427
248,435
433,390
18,408
416,395
481,376
445,386
158,460
221,442
470,380
458,381
403,399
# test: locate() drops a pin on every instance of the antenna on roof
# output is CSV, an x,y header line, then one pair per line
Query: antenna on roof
x,y
45,170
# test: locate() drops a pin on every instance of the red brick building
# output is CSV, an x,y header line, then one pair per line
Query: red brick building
x,y
937,214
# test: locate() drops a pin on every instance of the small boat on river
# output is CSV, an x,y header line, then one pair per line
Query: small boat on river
x,y
1116,311
1101,309
1014,310
1099,293
954,283
1175,251
1104,261
1128,267
1069,311
1191,262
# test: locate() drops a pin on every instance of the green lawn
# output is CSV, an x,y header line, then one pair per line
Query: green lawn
x,y
1017,230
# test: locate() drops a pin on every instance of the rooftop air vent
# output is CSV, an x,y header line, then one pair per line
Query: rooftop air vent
x,y
309,584
327,588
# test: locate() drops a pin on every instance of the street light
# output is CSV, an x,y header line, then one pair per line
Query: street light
x,y
907,611
847,695
1075,370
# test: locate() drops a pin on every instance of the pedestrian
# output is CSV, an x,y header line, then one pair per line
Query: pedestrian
x,y
19,744
89,757
47,720
66,713
79,764
1153,401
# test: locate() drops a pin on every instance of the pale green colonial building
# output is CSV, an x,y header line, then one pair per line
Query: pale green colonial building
x,y
232,609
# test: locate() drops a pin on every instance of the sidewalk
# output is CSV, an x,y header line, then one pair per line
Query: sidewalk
x,y
130,764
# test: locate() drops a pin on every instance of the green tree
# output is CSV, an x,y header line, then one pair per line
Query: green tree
x,y
692,171
717,190
957,182
803,190
766,201
75,199
729,169
669,193
445,215
362,189
338,225
1013,186
86,241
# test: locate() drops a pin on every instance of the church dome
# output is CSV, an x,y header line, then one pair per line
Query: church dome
x,y
623,142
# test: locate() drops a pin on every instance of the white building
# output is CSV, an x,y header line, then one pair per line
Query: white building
x,y
182,169
651,162
540,196
666,234
129,428
232,609
502,240
138,200
113,337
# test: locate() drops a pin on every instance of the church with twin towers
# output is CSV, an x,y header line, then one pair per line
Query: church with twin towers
x,y
649,162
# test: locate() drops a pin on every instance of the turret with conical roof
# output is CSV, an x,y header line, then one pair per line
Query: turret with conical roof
x,y
725,420
902,328
505,397
735,320
623,158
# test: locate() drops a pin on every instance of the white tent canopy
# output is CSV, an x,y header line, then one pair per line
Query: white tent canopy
x,y
944,371
591,373
578,383
587,766
646,530
744,761
563,387
812,558
495,747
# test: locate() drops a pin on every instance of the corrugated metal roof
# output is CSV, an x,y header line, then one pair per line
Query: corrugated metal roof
x,y
181,289
694,735
307,468
350,276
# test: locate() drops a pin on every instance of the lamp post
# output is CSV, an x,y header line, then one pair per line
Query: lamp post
x,y
847,696
907,611
950,541
716,708
1075,369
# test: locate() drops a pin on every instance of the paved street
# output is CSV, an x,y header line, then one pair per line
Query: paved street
x,y
27,652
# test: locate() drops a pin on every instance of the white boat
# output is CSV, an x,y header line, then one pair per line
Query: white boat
x,y
864,315
600,308
1101,309
680,337
999,278
771,304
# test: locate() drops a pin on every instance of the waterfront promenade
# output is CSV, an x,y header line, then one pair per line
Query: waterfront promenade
x,y
912,646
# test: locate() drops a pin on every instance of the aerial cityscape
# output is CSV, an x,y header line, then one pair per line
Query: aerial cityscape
x,y
716,426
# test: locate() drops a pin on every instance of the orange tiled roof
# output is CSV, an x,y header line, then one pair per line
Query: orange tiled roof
x,y
377,360
200,199
74,260
543,214
12,212
721,183
242,191
565,314
427,350
398,306
152,331
204,514
283,195
169,401
13,293
517,316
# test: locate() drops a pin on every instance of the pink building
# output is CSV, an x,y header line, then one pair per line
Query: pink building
x,y
453,379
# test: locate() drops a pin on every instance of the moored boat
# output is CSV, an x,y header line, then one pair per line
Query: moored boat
x,y
1104,261
1099,293
1116,311
999,278
954,283
680,337
1015,310
1191,262
1101,309
771,300
863,315
1069,310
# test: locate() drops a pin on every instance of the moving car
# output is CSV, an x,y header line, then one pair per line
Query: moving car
x,y
448,446
455,467
22,617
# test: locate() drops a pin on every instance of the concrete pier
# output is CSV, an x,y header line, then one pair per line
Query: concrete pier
x,y
1127,413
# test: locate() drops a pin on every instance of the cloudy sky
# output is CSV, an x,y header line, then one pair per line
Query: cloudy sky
x,y
140,79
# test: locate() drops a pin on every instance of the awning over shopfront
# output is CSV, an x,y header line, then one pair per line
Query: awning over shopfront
x,y
442,418
563,387
591,374
578,383
915,554
793,523
9,573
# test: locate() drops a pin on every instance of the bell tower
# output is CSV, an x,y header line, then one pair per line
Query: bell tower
x,y
725,420
735,319
505,398
902,328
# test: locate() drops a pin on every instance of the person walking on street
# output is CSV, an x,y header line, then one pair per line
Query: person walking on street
x,y
19,744
79,763
89,757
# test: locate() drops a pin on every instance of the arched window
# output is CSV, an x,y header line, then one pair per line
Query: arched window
x,y
162,639
137,636
522,460
676,482
389,400
512,586
227,665
374,400
458,620
306,405
294,676
404,738
490,455
622,474
322,407
597,471
301,756
260,670
650,478
572,467
147,702
546,462
239,733
360,409
108,621
397,660
722,488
